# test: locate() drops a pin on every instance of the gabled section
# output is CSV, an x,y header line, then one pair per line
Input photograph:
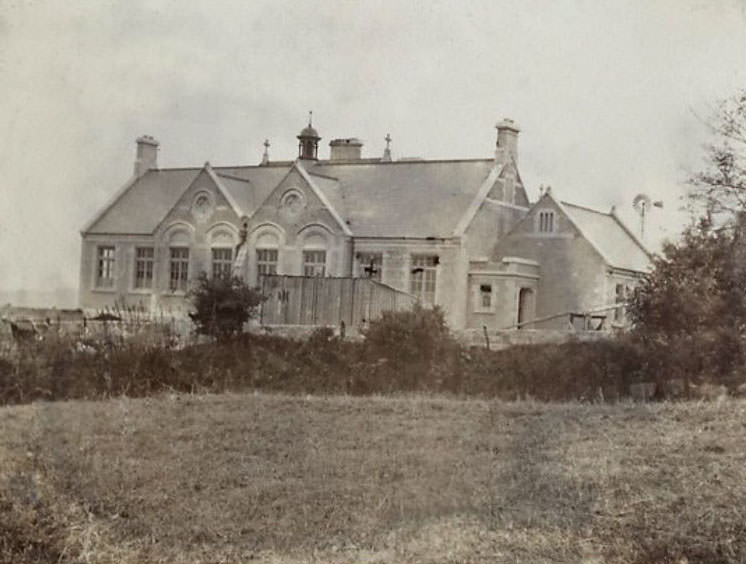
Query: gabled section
x,y
205,195
605,233
320,194
471,211
508,188
223,190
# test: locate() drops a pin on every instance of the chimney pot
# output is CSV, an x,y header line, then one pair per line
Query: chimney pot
x,y
507,141
147,154
349,149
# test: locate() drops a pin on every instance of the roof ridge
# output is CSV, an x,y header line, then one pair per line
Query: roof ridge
x,y
405,162
323,175
175,168
586,208
271,164
232,176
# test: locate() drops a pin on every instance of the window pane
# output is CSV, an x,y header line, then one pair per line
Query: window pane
x,y
105,267
144,267
423,277
179,268
314,263
222,262
370,265
485,291
266,261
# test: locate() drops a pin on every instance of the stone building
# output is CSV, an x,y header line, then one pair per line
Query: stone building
x,y
458,233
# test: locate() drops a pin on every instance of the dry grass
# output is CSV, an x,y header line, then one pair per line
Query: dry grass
x,y
255,478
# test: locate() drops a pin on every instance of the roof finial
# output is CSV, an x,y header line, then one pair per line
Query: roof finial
x,y
387,151
310,118
265,156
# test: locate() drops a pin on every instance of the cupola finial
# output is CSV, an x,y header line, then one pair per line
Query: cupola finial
x,y
308,146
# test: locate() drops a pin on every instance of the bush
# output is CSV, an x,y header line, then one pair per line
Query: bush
x,y
410,349
222,305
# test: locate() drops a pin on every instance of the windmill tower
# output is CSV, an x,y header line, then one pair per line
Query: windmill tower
x,y
642,204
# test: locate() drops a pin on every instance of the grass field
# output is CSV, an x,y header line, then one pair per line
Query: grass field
x,y
260,478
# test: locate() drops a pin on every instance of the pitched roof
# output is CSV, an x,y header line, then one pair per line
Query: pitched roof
x,y
403,199
139,209
619,247
397,199
261,181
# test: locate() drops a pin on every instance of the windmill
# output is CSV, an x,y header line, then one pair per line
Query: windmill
x,y
642,204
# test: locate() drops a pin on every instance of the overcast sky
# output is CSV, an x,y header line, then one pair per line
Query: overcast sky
x,y
609,96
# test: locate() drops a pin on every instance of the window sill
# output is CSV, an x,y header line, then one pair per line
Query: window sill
x,y
101,290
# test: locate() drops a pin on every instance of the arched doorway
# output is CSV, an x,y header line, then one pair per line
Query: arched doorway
x,y
525,308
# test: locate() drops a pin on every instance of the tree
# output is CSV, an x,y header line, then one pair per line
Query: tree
x,y
222,305
719,190
693,302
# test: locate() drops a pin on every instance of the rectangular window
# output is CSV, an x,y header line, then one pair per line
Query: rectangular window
x,y
222,262
422,281
266,261
619,298
314,263
105,267
546,222
179,269
143,268
485,296
370,265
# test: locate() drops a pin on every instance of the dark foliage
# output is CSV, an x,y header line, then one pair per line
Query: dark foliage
x,y
222,305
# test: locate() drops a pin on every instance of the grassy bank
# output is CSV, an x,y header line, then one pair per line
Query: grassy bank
x,y
264,478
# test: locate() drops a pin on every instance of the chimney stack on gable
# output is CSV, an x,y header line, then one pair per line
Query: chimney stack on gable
x,y
350,149
507,141
147,154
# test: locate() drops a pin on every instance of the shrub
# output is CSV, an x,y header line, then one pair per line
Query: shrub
x,y
410,349
222,305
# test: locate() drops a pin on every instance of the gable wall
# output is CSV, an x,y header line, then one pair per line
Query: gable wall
x,y
294,226
491,222
200,231
572,274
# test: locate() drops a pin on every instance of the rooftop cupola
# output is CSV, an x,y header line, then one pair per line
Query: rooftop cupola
x,y
507,141
308,141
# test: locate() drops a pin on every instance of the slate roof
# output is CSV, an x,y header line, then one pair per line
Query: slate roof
x,y
398,199
261,181
403,199
619,247
141,208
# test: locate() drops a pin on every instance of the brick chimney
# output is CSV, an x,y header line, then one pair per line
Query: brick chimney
x,y
507,141
147,154
350,149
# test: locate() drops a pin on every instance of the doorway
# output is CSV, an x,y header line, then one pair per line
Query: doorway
x,y
525,308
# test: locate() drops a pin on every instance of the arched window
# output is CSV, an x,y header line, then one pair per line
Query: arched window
x,y
222,243
314,255
267,253
179,242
